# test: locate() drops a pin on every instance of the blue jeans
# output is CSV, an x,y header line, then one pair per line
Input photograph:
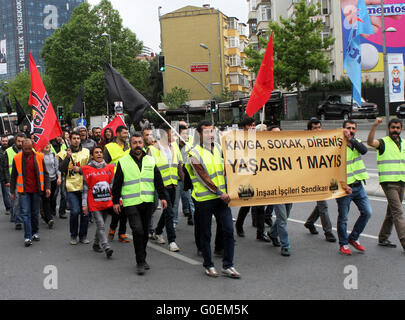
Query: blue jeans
x,y
16,210
29,206
359,197
6,196
205,211
187,204
75,204
279,227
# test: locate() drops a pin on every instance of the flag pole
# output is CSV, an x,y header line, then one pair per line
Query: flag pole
x,y
263,116
173,129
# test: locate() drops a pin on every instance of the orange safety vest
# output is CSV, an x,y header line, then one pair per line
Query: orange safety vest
x,y
39,157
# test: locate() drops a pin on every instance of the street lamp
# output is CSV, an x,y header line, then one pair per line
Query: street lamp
x,y
202,45
105,34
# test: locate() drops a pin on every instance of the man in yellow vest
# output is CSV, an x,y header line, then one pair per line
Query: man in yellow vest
x,y
8,160
356,175
135,181
206,170
391,174
30,179
113,152
167,161
70,162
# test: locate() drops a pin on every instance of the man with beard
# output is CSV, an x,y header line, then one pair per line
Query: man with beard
x,y
96,135
391,174
356,175
136,179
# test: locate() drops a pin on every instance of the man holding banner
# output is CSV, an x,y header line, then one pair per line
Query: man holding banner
x,y
356,175
206,170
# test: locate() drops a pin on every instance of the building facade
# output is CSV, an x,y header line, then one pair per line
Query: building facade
x,y
192,37
24,26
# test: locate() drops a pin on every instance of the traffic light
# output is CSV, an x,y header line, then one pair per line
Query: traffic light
x,y
213,106
60,112
162,66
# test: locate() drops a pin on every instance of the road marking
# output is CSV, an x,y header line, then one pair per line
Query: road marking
x,y
172,254
348,231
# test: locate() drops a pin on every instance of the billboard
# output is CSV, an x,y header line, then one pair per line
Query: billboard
x,y
372,45
3,57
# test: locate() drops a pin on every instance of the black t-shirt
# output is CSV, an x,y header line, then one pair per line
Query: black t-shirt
x,y
381,148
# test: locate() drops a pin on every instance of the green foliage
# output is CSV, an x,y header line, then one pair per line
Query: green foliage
x,y
226,95
344,84
175,98
76,53
298,49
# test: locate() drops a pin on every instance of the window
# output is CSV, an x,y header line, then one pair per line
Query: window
x,y
234,61
233,42
234,79
264,13
232,24
252,5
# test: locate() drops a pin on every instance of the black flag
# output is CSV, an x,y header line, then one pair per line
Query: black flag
x,y
119,89
78,106
7,103
20,112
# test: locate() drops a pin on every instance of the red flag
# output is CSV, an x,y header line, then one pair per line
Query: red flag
x,y
45,125
113,125
264,82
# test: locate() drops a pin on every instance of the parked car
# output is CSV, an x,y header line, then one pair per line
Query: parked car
x,y
401,111
342,107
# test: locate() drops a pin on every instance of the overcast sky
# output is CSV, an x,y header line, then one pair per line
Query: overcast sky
x,y
141,16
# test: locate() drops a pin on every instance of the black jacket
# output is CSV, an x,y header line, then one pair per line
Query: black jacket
x,y
119,180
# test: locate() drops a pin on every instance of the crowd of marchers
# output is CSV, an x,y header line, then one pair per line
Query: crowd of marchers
x,y
86,178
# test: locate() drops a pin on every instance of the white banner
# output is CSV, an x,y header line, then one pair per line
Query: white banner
x,y
396,79
3,57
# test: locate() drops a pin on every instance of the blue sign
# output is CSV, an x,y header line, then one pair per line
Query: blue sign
x,y
82,122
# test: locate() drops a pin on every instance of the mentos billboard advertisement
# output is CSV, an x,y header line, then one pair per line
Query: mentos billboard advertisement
x,y
372,45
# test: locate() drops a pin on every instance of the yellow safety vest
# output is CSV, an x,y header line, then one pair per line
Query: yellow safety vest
x,y
74,181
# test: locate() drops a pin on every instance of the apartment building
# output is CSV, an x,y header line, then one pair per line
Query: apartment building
x,y
191,37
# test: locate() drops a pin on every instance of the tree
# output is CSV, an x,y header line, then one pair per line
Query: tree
x,y
298,49
175,98
76,53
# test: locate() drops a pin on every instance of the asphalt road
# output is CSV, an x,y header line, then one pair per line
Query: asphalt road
x,y
315,269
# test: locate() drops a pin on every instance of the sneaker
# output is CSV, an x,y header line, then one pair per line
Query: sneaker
x,y
285,252
85,241
190,221
111,234
36,237
18,226
211,272
123,238
152,236
357,245
263,237
231,273
73,241
50,224
330,237
311,228
109,252
159,239
387,243
146,266
173,247
345,250
27,242
62,216
140,268
97,248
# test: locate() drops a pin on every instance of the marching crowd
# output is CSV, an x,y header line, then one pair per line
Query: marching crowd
x,y
131,177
